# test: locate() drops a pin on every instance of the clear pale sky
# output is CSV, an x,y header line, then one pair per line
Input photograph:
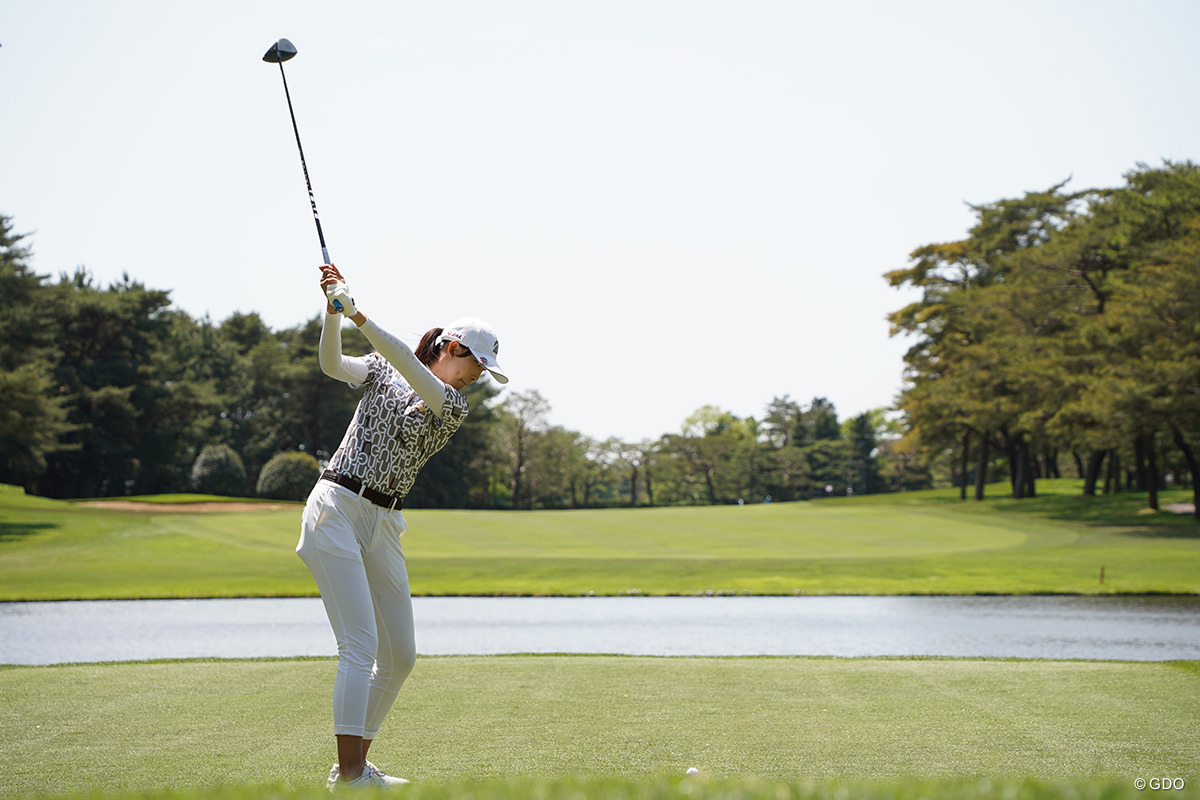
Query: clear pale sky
x,y
658,205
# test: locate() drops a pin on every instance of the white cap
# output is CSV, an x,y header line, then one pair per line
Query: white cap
x,y
478,337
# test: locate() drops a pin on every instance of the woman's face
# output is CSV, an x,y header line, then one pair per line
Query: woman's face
x,y
456,367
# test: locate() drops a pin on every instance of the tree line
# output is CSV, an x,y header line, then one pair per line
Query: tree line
x,y
1064,328
110,391
1062,335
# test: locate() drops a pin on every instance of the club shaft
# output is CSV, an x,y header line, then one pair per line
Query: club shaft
x,y
312,200
304,166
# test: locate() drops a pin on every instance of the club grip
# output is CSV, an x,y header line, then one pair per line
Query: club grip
x,y
337,304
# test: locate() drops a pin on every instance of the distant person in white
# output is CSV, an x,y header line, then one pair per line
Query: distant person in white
x,y
412,404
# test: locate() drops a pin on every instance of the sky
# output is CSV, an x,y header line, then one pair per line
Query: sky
x,y
658,205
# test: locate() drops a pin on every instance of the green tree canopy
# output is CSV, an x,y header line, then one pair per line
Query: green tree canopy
x,y
1059,324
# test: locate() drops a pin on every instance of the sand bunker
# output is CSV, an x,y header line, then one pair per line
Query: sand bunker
x,y
133,505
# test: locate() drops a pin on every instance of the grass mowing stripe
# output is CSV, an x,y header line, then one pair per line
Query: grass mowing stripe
x,y
121,728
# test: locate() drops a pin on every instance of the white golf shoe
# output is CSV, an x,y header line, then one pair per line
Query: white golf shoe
x,y
371,777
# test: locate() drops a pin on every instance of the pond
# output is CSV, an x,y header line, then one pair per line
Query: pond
x,y
1067,627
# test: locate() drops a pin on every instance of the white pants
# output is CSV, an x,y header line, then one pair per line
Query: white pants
x,y
352,548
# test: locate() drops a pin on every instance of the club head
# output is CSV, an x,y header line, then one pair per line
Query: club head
x,y
280,51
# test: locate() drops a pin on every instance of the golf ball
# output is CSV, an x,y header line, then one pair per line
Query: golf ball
x,y
693,771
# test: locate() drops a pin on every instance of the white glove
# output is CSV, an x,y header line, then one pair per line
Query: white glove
x,y
339,297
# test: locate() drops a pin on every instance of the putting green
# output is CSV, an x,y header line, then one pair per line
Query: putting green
x,y
783,530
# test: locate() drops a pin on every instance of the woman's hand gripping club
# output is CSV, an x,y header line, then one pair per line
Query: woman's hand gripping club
x,y
337,294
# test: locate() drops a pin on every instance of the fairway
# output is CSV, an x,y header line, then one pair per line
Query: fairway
x,y
151,727
914,543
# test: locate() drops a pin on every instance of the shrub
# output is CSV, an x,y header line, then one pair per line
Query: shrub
x,y
219,470
288,476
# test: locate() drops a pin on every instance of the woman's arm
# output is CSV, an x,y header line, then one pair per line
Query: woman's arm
x,y
399,355
329,353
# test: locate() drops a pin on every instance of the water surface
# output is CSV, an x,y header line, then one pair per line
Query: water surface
x,y
1123,628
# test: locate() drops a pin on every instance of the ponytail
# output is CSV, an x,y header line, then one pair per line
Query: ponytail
x,y
429,348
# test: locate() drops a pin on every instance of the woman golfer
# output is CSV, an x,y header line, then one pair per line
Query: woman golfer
x,y
350,534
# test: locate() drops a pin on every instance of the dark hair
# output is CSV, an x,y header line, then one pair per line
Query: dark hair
x,y
429,348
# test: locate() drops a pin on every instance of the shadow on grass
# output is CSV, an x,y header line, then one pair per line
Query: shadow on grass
x,y
1123,509
12,531
1191,531
1126,510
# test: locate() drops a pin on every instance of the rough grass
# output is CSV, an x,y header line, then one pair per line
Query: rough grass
x,y
914,543
527,726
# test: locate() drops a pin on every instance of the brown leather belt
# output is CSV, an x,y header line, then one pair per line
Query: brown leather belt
x,y
378,498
